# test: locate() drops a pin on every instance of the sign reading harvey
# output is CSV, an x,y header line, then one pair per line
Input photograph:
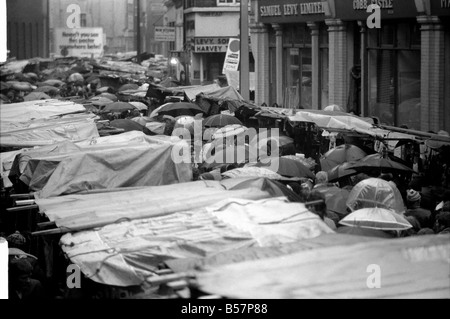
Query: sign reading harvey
x,y
211,45
82,42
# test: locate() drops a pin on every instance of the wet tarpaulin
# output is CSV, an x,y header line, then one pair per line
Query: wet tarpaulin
x,y
71,169
336,121
18,164
34,110
412,267
99,208
49,133
125,254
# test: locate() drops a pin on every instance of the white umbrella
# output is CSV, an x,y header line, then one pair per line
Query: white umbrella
x,y
376,218
229,130
139,105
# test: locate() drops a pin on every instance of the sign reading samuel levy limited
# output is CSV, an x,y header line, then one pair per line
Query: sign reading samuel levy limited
x,y
291,10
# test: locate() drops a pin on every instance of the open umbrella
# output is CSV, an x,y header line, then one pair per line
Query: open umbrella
x,y
139,105
221,120
104,89
334,108
337,202
341,154
285,167
229,130
52,82
110,96
75,77
208,133
341,171
47,89
253,171
129,86
130,125
21,86
177,109
229,155
185,122
376,218
383,163
34,96
100,101
263,142
117,107
375,192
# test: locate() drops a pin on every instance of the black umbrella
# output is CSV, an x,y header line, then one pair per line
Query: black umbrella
x,y
117,107
130,125
378,161
177,109
130,86
221,120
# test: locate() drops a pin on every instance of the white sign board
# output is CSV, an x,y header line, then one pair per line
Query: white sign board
x,y
233,55
165,34
81,42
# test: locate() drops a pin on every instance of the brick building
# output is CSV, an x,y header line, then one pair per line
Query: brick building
x,y
316,53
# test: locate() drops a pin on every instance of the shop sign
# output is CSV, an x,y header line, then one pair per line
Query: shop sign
x,y
358,9
288,11
440,7
211,45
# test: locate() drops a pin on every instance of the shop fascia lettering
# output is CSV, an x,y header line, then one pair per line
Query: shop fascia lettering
x,y
363,4
211,44
292,9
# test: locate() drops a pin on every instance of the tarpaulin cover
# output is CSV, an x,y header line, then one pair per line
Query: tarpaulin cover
x,y
19,163
49,134
102,207
255,253
125,254
413,267
335,120
34,110
193,91
71,169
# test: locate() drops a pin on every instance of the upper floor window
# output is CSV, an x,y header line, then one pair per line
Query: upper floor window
x,y
227,2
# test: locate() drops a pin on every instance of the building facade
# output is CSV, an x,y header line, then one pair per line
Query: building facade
x,y
208,26
27,28
315,53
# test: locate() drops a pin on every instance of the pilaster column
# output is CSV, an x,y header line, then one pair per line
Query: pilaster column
x,y
260,37
315,59
432,73
279,61
338,68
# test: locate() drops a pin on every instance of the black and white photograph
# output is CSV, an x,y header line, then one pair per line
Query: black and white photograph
x,y
224,154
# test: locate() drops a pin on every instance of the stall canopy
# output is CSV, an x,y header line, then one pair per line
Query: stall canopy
x,y
412,267
126,254
69,168
35,110
335,121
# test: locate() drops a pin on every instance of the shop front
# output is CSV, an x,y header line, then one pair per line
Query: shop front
x,y
292,64
403,67
208,56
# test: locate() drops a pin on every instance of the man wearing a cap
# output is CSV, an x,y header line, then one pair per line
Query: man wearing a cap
x,y
413,204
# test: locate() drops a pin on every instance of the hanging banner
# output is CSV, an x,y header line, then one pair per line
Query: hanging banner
x,y
233,55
